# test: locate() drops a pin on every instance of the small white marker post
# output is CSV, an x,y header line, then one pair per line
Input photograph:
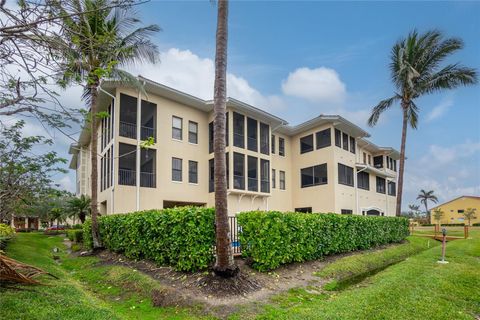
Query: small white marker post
x,y
444,245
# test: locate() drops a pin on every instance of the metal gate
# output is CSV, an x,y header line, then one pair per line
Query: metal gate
x,y
234,239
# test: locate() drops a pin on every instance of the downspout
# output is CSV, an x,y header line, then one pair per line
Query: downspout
x,y
112,196
137,163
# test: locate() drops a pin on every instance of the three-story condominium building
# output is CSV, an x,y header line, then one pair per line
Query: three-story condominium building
x,y
323,165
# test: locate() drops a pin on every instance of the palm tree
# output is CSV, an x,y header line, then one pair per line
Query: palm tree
x,y
424,197
415,72
97,43
224,265
437,215
80,207
469,214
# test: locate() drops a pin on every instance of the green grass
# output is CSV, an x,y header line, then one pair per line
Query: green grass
x,y
417,288
84,290
352,269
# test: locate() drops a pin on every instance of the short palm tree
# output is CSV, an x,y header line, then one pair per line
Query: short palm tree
x,y
415,71
79,207
424,197
97,43
437,215
469,214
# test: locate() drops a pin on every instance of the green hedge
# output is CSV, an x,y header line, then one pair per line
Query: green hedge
x,y
476,224
271,239
75,235
182,237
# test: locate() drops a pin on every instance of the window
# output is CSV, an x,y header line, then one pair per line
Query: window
x,y
369,159
128,116
378,162
306,144
264,175
192,171
252,133
345,175
282,180
238,130
148,160
392,188
177,128
252,163
380,185
192,132
314,176
273,143
345,141
211,175
273,179
395,165
364,158
460,211
281,147
352,144
346,211
210,137
176,169
363,180
338,138
226,128
323,139
304,210
264,140
238,171
127,164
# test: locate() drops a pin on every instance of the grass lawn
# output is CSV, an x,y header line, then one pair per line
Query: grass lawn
x,y
84,291
417,288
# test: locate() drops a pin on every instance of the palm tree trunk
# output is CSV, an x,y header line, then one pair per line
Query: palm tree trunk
x,y
401,167
427,213
224,265
94,159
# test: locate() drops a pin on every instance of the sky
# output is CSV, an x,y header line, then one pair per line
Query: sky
x,y
301,59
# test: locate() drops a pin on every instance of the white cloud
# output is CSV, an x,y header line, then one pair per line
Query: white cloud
x,y
66,183
439,110
451,171
316,85
185,71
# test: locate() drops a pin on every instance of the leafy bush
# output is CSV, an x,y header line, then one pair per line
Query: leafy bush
x,y
477,224
6,230
182,237
271,239
75,235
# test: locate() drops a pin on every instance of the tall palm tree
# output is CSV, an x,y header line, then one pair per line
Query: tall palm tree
x,y
224,265
79,207
415,71
99,41
424,197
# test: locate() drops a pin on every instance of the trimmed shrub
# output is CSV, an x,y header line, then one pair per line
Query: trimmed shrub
x,y
75,235
182,237
271,239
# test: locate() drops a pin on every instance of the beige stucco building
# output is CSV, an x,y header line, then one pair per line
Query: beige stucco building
x,y
323,165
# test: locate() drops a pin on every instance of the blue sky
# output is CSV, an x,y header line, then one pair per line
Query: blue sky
x,y
301,59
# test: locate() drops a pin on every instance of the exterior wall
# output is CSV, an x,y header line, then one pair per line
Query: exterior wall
x,y
330,197
321,197
451,214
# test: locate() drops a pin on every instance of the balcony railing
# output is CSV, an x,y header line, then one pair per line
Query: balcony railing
x,y
147,179
128,130
265,186
126,177
147,132
252,144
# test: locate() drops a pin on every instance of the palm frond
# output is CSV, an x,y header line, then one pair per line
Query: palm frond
x,y
380,108
450,77
412,114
